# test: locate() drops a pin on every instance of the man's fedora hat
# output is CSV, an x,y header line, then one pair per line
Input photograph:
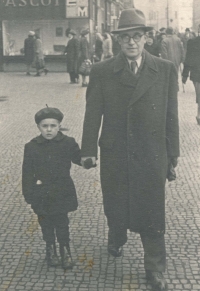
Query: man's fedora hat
x,y
132,19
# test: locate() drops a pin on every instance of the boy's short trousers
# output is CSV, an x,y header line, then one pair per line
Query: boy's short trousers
x,y
54,226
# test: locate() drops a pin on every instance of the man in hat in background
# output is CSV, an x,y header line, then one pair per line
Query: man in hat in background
x,y
29,51
72,52
134,95
172,48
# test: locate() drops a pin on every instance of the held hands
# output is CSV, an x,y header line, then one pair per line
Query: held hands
x,y
88,162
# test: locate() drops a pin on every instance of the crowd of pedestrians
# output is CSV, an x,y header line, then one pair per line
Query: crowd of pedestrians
x,y
165,43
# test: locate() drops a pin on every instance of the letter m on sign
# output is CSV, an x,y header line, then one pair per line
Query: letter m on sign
x,y
83,11
71,2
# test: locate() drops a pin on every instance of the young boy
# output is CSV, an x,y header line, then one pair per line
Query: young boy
x,y
47,185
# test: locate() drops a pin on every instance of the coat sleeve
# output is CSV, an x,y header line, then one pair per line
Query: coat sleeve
x,y
164,54
27,175
75,153
93,114
187,64
172,126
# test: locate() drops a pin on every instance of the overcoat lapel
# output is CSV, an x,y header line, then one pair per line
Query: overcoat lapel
x,y
147,78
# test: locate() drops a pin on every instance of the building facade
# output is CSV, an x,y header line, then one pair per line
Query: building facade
x,y
50,19
196,14
185,14
160,13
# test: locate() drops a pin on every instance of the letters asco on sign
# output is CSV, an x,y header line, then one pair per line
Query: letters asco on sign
x,y
21,3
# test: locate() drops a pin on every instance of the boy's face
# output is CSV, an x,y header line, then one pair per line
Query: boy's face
x,y
49,127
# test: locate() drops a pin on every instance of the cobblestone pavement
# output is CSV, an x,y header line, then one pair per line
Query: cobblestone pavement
x,y
22,255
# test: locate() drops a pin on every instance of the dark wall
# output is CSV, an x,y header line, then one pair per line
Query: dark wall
x,y
25,9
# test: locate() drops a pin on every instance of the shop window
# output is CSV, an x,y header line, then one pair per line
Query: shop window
x,y
59,31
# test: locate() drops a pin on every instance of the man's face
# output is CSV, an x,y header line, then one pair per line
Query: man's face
x,y
49,128
149,41
132,43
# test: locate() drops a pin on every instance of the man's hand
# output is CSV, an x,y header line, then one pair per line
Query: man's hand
x,y
184,80
88,162
173,161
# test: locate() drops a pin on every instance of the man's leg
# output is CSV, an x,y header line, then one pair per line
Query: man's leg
x,y
197,90
28,68
155,260
154,253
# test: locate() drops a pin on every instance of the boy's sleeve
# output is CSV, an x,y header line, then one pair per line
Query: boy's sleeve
x,y
27,175
75,153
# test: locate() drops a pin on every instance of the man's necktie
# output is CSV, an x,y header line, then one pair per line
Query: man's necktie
x,y
133,67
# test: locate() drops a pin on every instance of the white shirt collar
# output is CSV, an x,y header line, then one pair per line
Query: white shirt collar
x,y
138,62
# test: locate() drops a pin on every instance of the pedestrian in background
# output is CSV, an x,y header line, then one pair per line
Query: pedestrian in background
x,y
172,48
47,185
192,68
115,45
184,38
107,46
132,98
98,47
151,46
84,53
29,51
39,57
72,52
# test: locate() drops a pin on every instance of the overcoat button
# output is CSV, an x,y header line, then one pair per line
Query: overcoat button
x,y
154,106
154,132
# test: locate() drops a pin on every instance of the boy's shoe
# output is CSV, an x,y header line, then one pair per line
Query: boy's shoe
x,y
66,258
157,280
51,256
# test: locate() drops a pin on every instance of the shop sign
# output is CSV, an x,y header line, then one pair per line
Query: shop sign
x,y
21,3
32,9
76,8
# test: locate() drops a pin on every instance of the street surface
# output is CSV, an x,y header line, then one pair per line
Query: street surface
x,y
22,250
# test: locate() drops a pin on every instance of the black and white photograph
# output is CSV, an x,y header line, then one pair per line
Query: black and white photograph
x,y
100,145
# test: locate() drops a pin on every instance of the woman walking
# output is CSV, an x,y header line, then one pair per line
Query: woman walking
x,y
84,53
72,51
98,47
39,57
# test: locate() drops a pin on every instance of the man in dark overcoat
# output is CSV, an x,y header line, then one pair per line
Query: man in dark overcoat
x,y
29,51
72,51
192,68
134,97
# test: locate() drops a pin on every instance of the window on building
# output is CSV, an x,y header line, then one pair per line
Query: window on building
x,y
59,31
176,14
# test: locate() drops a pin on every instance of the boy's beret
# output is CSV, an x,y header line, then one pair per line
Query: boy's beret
x,y
48,112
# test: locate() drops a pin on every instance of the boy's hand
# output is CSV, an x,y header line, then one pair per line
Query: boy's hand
x,y
88,162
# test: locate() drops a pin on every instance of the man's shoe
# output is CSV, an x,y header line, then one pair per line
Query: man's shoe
x,y
28,74
66,258
51,256
46,71
114,251
157,280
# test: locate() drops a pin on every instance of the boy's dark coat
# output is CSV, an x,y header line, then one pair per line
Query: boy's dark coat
x,y
50,162
139,131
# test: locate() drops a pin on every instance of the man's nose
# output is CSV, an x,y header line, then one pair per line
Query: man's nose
x,y
49,128
132,42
